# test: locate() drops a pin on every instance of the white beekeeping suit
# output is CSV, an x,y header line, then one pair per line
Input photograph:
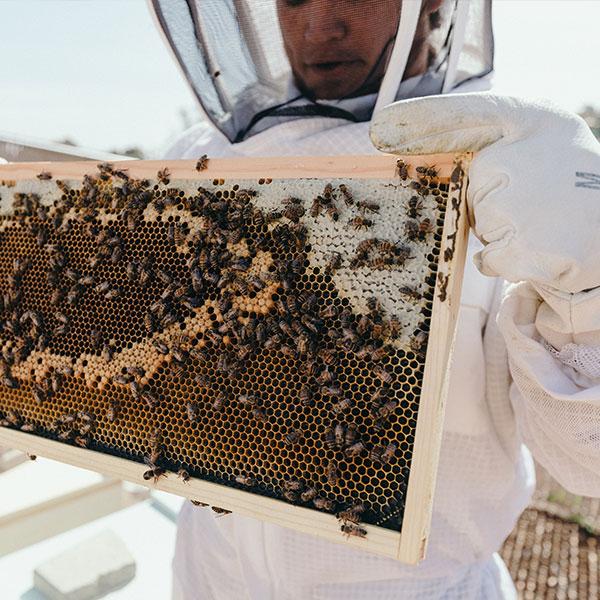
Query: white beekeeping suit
x,y
232,54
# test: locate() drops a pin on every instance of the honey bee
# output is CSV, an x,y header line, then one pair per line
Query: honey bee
x,y
202,163
360,223
415,206
149,323
332,473
184,475
334,263
419,186
352,529
411,230
247,400
56,381
402,169
85,416
95,339
9,382
39,394
220,511
246,481
44,176
379,263
456,174
410,292
135,389
291,200
388,454
338,435
112,411
87,280
192,412
355,449
219,402
330,439
348,199
418,342
321,503
427,171
351,514
28,427
385,376
425,227
290,495
332,212
394,327
102,287
325,377
81,441
308,495
160,346
401,254
66,371
116,255
292,437
163,176
365,206
342,406
305,395
259,414
418,230
315,207
387,409
293,212
293,485
41,237
154,473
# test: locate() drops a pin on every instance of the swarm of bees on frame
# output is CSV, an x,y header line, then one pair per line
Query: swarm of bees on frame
x,y
274,349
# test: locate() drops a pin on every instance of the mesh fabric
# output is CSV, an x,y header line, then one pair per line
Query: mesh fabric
x,y
253,64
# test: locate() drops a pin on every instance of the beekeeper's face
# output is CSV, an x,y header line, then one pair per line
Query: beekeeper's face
x,y
338,47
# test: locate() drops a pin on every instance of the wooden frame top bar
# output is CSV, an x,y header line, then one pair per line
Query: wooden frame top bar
x,y
356,166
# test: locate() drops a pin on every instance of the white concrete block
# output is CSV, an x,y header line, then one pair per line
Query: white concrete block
x,y
86,571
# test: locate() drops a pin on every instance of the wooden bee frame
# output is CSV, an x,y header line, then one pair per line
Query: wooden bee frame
x,y
449,173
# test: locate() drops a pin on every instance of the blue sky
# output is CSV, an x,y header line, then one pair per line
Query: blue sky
x,y
96,71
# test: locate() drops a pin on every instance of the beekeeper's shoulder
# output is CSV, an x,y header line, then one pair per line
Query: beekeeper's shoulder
x,y
201,138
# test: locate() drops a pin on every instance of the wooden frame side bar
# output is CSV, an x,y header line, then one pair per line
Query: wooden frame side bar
x,y
428,435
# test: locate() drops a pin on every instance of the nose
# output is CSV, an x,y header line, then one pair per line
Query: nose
x,y
324,23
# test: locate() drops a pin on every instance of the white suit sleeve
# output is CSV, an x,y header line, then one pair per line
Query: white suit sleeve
x,y
553,344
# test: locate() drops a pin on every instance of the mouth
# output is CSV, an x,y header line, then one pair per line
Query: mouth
x,y
332,66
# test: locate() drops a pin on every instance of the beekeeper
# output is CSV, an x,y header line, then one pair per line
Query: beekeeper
x,y
292,77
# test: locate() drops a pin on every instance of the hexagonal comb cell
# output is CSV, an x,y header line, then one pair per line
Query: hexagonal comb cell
x,y
268,335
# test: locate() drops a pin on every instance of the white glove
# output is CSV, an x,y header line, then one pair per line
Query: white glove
x,y
534,182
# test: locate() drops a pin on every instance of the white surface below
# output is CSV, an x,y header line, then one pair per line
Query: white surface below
x,y
148,535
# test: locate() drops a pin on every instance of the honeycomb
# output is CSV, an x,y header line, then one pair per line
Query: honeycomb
x,y
268,335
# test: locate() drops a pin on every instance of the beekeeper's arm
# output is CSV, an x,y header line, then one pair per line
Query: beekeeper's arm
x,y
534,202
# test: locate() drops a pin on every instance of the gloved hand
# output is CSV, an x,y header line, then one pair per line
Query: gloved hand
x,y
534,182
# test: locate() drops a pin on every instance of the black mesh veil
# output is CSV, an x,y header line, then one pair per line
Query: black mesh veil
x,y
255,63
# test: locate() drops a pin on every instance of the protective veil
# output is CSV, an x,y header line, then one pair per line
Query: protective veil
x,y
236,64
233,55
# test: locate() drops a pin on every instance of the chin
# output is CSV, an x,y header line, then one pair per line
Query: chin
x,y
331,92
